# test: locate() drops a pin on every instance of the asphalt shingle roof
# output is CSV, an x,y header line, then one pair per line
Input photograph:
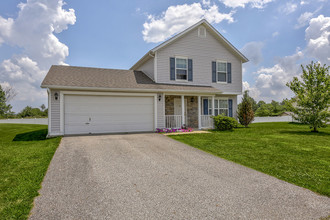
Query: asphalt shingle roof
x,y
86,77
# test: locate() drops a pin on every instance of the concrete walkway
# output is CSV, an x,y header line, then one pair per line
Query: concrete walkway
x,y
150,176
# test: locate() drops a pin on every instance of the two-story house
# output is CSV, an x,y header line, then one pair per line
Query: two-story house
x,y
183,81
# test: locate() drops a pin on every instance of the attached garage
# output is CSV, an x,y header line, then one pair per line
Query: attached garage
x,y
94,114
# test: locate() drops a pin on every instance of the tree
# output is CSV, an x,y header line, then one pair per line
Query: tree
x,y
245,112
265,110
5,109
254,104
260,103
277,108
42,107
312,100
10,92
28,111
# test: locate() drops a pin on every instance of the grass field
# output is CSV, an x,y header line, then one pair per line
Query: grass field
x,y
287,151
25,154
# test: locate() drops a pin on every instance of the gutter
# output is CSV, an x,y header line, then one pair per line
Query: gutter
x,y
130,90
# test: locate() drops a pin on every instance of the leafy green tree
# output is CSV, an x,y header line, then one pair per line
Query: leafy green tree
x,y
28,111
312,100
5,109
277,108
265,110
260,103
245,112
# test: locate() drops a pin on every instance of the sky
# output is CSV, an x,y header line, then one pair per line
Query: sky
x,y
276,36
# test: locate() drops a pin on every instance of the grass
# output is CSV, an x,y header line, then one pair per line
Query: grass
x,y
25,154
287,151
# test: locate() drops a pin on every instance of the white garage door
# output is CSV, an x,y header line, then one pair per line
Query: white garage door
x,y
107,114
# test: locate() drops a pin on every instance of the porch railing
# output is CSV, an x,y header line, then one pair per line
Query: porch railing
x,y
173,121
206,121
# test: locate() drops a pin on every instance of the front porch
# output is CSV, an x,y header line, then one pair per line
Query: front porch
x,y
196,111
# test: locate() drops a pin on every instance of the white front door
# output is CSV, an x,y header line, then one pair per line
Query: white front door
x,y
178,107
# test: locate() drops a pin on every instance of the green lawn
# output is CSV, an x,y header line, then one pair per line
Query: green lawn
x,y
285,150
24,158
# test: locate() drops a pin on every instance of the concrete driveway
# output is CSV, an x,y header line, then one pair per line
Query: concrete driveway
x,y
150,176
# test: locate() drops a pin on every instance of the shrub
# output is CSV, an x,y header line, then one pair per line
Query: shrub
x,y
223,123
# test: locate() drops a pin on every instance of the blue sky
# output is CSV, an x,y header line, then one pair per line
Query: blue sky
x,y
277,36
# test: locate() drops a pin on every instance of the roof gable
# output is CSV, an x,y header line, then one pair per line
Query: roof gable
x,y
209,27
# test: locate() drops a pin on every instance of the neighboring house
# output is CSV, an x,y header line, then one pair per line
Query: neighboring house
x,y
184,80
286,114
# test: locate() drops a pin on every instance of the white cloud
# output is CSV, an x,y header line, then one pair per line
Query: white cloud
x,y
318,39
303,19
206,2
179,17
289,8
270,83
33,30
242,3
252,51
275,34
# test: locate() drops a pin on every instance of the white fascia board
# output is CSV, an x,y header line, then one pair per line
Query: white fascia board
x,y
231,93
141,61
130,90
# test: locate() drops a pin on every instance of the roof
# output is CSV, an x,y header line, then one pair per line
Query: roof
x,y
87,78
219,36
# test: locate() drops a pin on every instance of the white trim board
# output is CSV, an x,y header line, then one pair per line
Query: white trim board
x,y
63,93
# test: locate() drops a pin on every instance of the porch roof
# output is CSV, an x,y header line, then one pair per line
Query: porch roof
x,y
86,78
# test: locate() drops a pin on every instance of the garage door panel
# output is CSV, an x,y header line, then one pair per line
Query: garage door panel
x,y
107,114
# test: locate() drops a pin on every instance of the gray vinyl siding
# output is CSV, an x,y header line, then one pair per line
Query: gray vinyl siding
x,y
202,51
55,113
148,68
160,112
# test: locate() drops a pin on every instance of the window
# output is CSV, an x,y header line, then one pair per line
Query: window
x,y
220,106
221,71
202,32
181,68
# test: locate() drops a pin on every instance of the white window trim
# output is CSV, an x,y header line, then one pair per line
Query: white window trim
x,y
221,61
181,80
210,107
218,108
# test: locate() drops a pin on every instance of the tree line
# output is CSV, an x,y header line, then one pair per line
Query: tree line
x,y
274,108
6,95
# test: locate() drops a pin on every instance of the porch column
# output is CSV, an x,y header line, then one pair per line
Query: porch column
x,y
182,109
199,112
213,105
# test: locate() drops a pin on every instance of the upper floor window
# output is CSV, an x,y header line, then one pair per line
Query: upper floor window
x,y
201,32
221,71
181,68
